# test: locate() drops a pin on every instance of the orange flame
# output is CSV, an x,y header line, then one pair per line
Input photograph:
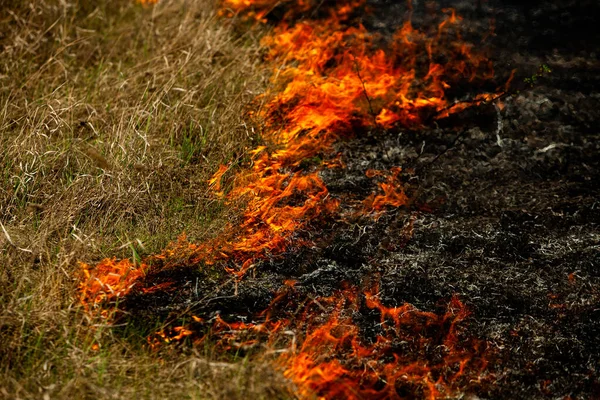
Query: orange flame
x,y
393,194
108,281
331,82
409,350
334,361
331,78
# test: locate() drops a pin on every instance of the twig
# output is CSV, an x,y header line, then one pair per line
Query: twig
x,y
365,90
500,125
472,101
316,10
450,146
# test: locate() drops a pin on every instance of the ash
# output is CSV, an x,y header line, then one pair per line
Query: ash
x,y
505,210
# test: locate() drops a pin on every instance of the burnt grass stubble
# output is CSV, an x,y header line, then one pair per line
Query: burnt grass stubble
x,y
505,214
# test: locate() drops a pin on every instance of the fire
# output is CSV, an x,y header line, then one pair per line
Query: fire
x,y
108,281
406,350
335,361
332,80
393,193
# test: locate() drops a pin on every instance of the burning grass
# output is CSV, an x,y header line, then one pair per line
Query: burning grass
x,y
321,347
331,81
310,280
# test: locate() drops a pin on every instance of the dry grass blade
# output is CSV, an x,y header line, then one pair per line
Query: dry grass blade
x,y
112,118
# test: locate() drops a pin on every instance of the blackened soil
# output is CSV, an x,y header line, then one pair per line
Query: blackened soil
x,y
505,211
514,226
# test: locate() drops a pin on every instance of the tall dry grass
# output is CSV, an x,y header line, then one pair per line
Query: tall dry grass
x,y
112,118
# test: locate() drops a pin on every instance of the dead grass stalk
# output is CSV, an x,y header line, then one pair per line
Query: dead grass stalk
x,y
112,118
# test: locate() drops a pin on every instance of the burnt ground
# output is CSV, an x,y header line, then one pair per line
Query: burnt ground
x,y
505,213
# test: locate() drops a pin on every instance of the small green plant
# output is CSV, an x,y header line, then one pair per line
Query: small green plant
x,y
311,161
543,70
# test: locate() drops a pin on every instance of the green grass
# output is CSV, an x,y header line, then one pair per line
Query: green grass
x,y
112,118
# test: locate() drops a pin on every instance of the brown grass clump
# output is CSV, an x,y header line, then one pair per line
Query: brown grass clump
x,y
112,118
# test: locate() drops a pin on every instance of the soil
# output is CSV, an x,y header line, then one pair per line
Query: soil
x,y
505,211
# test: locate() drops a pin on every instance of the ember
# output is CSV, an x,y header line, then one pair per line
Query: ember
x,y
316,311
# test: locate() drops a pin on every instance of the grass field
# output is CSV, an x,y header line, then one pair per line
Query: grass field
x,y
112,118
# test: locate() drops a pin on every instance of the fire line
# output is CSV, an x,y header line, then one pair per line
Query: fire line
x,y
332,78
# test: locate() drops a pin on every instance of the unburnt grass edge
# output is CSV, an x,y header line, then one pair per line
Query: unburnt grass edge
x,y
112,118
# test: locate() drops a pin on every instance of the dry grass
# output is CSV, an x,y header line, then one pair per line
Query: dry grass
x,y
112,118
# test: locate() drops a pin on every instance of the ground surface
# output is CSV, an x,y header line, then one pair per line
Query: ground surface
x,y
516,230
112,118
504,214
